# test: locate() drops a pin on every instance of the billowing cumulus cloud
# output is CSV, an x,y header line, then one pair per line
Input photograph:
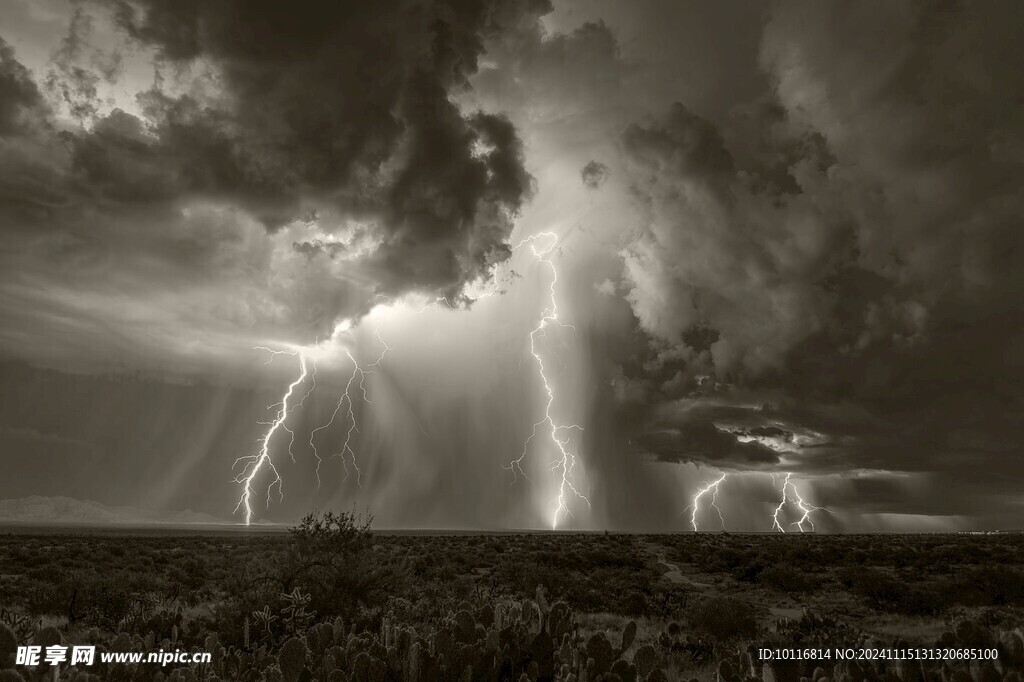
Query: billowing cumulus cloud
x,y
840,250
295,166
19,96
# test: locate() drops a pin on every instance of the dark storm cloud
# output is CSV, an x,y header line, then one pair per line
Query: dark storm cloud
x,y
851,241
336,119
344,106
20,100
700,441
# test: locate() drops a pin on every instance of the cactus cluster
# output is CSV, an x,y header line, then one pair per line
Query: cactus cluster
x,y
20,624
8,645
814,631
525,640
507,639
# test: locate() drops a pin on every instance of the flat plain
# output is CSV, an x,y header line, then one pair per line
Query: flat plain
x,y
332,600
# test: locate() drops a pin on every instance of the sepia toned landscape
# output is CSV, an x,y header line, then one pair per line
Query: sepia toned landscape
x,y
512,340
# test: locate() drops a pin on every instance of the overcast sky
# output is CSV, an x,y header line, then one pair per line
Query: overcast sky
x,y
789,242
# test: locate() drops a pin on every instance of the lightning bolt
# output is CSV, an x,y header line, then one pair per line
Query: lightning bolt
x,y
253,464
714,502
805,507
312,386
358,372
782,503
560,434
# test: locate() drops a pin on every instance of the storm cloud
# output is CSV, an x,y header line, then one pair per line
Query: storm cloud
x,y
330,130
788,243
849,240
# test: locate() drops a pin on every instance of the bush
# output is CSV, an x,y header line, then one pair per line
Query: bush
x,y
787,579
723,617
888,593
988,586
330,557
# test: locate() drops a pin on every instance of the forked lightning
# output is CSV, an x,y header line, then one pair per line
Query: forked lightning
x,y
346,399
790,495
804,507
252,465
714,502
565,460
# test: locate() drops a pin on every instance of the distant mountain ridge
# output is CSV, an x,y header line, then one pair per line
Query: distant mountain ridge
x,y
38,509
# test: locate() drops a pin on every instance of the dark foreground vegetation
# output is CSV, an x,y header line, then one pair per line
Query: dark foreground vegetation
x,y
332,601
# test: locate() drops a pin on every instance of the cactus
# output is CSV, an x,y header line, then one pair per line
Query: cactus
x,y
466,625
646,659
492,641
412,669
48,636
542,602
1011,646
182,675
8,646
338,628
559,619
628,635
600,651
320,637
565,652
983,671
624,670
485,615
293,658
217,657
361,666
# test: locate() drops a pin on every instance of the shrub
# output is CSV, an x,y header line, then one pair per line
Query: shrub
x,y
723,617
987,586
888,593
330,557
787,579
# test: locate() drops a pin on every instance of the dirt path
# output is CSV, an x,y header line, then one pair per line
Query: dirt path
x,y
674,574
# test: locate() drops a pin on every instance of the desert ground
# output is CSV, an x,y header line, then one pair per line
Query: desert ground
x,y
332,600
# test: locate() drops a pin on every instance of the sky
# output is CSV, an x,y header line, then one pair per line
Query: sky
x,y
558,264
